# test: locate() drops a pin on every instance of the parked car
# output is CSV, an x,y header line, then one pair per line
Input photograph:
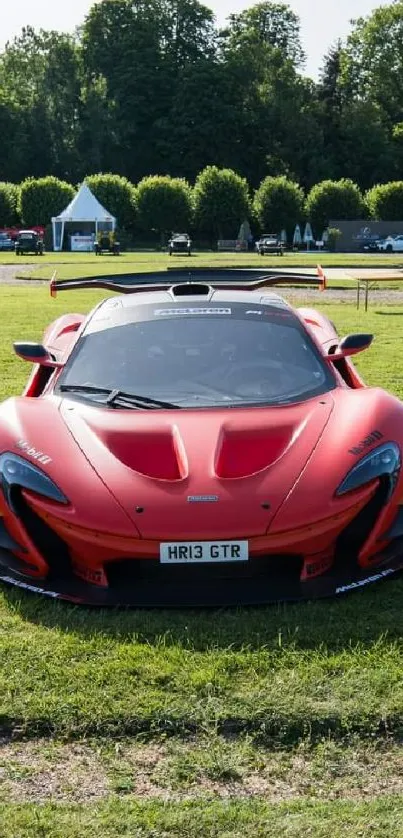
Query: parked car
x,y
144,464
372,244
392,244
6,243
107,243
29,241
180,243
270,243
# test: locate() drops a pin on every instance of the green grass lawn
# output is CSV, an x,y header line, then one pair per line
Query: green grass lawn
x,y
286,720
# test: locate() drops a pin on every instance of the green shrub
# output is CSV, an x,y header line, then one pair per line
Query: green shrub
x,y
385,201
278,204
9,196
221,202
42,199
164,204
117,195
334,234
328,199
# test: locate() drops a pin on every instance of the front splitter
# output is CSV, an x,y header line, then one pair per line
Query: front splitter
x,y
215,594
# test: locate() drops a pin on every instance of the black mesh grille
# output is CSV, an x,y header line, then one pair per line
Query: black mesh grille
x,y
265,568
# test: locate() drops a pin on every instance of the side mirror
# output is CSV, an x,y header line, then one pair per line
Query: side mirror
x,y
36,353
351,345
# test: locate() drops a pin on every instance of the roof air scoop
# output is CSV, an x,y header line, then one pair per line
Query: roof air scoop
x,y
191,289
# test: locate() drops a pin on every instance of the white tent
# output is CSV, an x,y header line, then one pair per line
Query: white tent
x,y
84,209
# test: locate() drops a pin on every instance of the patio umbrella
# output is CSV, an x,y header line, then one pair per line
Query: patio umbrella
x,y
308,235
297,238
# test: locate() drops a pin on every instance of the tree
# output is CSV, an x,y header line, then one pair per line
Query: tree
x,y
97,142
355,130
8,204
340,199
164,204
372,66
330,98
329,91
42,199
364,148
196,127
43,70
187,32
221,202
117,195
278,204
385,201
270,105
273,25
141,50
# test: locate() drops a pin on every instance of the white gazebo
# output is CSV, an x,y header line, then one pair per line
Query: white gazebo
x,y
83,217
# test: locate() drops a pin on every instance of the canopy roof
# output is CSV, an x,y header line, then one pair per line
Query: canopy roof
x,y
85,207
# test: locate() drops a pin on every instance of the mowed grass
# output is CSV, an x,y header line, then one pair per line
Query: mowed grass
x,y
224,703
211,819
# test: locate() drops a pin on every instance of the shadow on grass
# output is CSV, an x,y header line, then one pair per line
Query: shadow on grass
x,y
360,618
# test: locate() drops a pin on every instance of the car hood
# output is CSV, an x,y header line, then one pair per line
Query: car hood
x,y
216,473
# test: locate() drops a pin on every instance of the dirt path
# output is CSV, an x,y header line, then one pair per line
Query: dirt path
x,y
310,296
8,272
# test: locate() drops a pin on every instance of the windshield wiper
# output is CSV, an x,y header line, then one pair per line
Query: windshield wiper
x,y
115,397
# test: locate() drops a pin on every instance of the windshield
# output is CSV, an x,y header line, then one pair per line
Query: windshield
x,y
202,357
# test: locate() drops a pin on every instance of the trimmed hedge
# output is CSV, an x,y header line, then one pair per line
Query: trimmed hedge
x,y
341,199
164,204
117,195
278,204
43,198
221,202
385,201
9,197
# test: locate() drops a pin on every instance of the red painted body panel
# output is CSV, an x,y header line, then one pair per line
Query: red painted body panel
x,y
130,476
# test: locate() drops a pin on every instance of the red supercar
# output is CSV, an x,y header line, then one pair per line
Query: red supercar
x,y
197,441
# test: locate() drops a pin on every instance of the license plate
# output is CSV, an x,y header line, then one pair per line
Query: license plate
x,y
188,552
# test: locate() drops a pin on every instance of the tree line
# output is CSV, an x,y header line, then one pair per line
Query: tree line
x,y
213,208
154,87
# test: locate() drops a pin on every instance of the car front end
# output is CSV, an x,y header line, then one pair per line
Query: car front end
x,y
199,448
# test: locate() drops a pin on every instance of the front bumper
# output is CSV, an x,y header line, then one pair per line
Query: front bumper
x,y
213,591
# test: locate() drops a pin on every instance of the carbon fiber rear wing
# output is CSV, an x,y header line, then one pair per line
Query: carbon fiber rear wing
x,y
240,279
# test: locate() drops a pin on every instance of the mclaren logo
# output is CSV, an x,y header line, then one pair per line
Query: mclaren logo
x,y
203,498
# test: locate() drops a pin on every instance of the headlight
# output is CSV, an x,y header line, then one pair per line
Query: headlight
x,y
15,471
382,461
